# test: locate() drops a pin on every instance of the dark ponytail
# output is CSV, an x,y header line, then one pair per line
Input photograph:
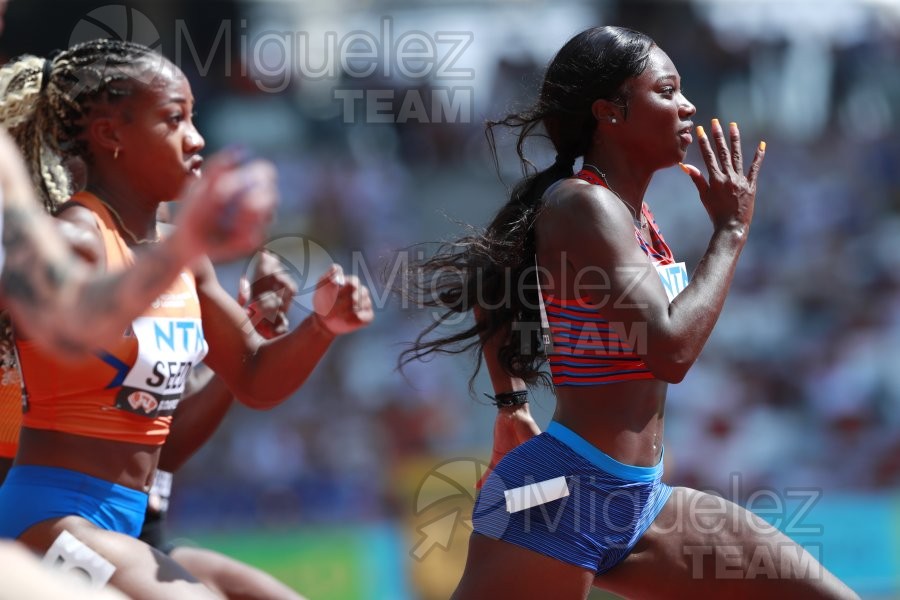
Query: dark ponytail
x,y
494,270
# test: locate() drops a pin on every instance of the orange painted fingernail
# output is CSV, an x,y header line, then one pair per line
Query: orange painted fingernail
x,y
684,168
715,123
700,132
733,125
762,146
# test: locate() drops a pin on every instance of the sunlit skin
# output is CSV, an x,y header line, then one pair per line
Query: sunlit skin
x,y
625,419
155,149
636,146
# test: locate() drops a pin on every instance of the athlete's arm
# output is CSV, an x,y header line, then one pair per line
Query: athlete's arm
x,y
206,402
598,231
263,373
207,397
268,295
59,301
513,425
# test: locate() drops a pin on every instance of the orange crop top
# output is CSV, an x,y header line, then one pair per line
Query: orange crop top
x,y
129,391
10,412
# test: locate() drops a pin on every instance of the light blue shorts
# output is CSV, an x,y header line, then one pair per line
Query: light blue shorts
x,y
608,508
32,494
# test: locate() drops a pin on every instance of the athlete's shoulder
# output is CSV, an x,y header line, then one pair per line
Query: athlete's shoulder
x,y
573,193
78,226
76,212
574,201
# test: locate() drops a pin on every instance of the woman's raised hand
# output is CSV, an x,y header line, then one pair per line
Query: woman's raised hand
x,y
729,195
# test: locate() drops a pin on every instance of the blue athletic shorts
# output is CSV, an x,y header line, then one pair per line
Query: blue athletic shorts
x,y
32,494
608,508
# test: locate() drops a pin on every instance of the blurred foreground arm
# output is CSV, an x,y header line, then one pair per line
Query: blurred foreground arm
x,y
25,577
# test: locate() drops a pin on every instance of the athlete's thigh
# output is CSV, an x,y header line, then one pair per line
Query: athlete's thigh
x,y
142,572
231,578
498,569
703,545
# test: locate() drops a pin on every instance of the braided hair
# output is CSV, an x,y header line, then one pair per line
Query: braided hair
x,y
495,269
46,103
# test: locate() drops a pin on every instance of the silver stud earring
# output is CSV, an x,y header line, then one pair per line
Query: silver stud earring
x,y
613,120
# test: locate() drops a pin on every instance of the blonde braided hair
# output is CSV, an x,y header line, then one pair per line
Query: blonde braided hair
x,y
47,118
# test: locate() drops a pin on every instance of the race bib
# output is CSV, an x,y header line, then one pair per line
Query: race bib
x,y
167,349
674,278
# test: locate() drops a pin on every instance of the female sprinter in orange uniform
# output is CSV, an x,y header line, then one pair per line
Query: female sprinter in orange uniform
x,y
205,405
573,507
92,431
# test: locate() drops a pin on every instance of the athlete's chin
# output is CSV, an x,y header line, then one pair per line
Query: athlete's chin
x,y
171,195
179,181
673,160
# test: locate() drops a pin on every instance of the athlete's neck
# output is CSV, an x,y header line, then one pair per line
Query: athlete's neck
x,y
625,177
135,214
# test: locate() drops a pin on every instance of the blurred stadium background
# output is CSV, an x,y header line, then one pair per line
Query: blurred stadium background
x,y
359,486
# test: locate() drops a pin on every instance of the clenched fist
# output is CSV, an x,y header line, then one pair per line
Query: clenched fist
x,y
341,303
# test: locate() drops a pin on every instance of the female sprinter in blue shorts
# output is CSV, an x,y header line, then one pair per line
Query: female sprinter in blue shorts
x,y
93,430
582,504
207,400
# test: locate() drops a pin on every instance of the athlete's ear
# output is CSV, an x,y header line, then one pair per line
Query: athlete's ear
x,y
607,112
103,134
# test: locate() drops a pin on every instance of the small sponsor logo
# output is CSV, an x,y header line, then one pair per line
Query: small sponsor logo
x,y
143,401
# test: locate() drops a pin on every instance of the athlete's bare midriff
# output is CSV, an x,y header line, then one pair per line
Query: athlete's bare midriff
x,y
624,420
127,464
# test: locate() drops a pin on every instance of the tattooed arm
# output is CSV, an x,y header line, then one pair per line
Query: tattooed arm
x,y
52,295
56,299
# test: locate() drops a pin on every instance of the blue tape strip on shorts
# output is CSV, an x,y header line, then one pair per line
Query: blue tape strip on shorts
x,y
609,507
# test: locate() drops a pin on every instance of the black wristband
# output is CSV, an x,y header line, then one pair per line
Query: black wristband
x,y
507,399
